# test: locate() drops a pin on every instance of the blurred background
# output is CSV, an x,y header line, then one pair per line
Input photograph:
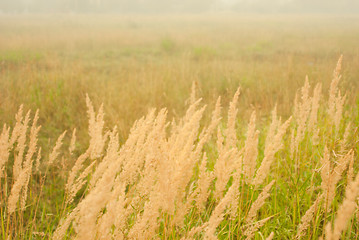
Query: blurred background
x,y
133,55
180,6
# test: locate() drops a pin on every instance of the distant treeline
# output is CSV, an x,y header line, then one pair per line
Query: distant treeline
x,y
158,6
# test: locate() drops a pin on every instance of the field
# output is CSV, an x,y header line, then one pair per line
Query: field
x,y
275,157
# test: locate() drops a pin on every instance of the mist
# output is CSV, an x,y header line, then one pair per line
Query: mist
x,y
179,6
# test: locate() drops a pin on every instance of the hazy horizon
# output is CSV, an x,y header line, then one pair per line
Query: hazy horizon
x,y
177,6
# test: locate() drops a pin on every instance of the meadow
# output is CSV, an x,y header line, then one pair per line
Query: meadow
x,y
179,127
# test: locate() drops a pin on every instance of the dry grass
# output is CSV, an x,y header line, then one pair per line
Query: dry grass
x,y
160,183
211,171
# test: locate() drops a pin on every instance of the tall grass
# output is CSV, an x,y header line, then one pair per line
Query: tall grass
x,y
187,178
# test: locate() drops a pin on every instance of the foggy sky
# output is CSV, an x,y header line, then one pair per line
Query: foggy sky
x,y
179,6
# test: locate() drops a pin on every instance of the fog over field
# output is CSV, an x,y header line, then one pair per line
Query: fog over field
x,y
165,6
179,119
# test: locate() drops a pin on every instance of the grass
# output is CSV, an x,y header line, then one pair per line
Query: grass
x,y
61,60
134,63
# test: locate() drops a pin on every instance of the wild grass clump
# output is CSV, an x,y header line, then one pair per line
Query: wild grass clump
x,y
189,179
